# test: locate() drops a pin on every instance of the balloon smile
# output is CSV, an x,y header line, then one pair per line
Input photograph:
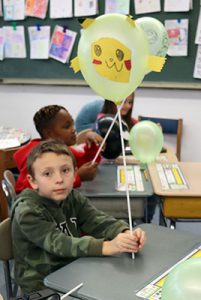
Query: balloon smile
x,y
115,66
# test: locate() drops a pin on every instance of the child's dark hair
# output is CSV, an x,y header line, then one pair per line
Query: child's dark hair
x,y
45,117
46,146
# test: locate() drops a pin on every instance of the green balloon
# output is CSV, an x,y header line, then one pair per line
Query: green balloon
x,y
184,281
146,141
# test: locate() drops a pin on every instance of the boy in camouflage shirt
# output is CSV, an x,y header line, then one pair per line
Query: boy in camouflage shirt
x,y
48,220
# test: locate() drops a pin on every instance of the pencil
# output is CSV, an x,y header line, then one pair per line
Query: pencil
x,y
71,291
146,175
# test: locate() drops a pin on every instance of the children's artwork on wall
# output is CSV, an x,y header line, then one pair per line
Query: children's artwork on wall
x,y
197,67
61,9
62,44
13,10
181,5
1,12
178,37
147,6
36,8
39,37
2,41
117,6
85,8
198,30
15,46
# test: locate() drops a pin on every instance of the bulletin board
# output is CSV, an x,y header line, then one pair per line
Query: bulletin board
x,y
177,72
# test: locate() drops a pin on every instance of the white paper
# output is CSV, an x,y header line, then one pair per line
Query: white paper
x,y
39,38
117,6
198,31
1,12
2,42
15,46
61,9
179,5
178,37
147,6
13,9
9,143
36,8
85,7
62,44
197,67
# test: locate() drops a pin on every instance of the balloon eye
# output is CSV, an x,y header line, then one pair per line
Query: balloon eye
x,y
119,54
97,50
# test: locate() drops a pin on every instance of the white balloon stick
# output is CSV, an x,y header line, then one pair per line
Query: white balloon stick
x,y
126,176
77,287
108,132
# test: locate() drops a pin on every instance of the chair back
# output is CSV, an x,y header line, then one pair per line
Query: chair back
x,y
8,186
169,126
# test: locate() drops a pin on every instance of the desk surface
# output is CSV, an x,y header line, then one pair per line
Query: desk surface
x,y
192,174
117,278
105,183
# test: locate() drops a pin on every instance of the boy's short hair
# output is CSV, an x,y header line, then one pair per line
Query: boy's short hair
x,y
44,117
46,146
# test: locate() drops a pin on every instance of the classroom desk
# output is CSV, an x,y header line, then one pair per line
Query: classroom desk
x,y
7,162
117,278
180,204
103,194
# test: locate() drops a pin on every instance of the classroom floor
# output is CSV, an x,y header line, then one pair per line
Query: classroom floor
x,y
194,228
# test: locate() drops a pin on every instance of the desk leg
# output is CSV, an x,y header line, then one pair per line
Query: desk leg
x,y
162,220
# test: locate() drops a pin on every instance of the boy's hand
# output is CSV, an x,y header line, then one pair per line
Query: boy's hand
x,y
93,137
125,242
88,171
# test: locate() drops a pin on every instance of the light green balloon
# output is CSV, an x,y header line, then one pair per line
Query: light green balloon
x,y
146,141
118,27
184,281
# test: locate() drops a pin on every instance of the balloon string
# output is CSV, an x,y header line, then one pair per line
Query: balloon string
x,y
126,177
108,132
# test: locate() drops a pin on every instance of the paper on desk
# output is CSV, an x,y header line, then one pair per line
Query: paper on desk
x,y
147,6
9,143
134,177
61,9
117,6
178,37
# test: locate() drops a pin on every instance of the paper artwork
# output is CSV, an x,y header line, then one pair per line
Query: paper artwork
x,y
85,7
197,67
117,6
15,46
198,30
39,42
36,8
61,9
178,37
62,44
13,10
2,41
147,6
181,5
1,12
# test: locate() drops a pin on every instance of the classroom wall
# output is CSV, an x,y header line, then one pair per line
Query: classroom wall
x,y
19,103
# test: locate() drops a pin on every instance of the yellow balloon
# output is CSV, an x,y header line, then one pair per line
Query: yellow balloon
x,y
113,54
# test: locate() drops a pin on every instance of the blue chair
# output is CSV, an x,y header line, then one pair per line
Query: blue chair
x,y
86,118
169,126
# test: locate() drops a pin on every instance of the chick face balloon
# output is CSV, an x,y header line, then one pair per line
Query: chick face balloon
x,y
113,54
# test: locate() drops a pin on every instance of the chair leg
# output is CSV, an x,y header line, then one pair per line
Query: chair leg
x,y
9,291
172,224
162,219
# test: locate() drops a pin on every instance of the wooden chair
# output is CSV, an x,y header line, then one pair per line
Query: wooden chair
x,y
169,126
8,186
6,255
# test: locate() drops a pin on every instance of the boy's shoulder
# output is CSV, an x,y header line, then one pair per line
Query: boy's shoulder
x,y
26,148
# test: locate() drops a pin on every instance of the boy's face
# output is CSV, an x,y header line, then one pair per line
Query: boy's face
x,y
63,128
53,176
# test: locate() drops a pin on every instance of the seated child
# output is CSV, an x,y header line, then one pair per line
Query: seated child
x,y
54,121
47,221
